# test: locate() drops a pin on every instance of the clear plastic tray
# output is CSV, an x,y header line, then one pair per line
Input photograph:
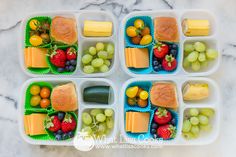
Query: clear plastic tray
x,y
213,101
80,84
83,42
211,40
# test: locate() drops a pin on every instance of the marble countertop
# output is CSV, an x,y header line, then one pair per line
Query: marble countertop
x,y
12,77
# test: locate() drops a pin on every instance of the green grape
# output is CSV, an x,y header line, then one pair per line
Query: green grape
x,y
102,127
110,122
196,66
205,127
102,54
108,112
108,131
186,63
86,51
92,50
195,130
104,68
199,46
88,69
107,62
110,56
202,57
188,48
100,46
86,118
207,112
203,120
100,117
192,57
94,112
193,112
87,58
194,120
88,130
188,135
204,64
110,48
97,62
186,126
211,54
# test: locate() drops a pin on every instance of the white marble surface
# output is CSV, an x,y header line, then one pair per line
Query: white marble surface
x,y
11,76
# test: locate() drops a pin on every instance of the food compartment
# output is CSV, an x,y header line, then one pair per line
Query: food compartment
x,y
201,23
200,56
98,56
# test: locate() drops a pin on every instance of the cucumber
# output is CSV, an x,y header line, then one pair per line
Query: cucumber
x,y
97,94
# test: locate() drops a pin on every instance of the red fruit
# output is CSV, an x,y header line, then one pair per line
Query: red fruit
x,y
71,53
169,63
68,124
57,57
166,131
162,116
52,123
160,50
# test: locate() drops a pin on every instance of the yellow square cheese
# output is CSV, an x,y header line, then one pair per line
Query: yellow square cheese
x,y
140,122
127,120
26,124
39,57
37,124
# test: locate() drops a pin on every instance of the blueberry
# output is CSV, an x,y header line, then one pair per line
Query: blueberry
x,y
173,52
153,131
61,115
70,134
60,132
73,62
67,62
60,70
173,121
65,136
155,63
71,68
174,46
155,136
58,137
154,58
67,68
154,126
157,67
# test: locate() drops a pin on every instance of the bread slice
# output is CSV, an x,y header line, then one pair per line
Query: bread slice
x,y
64,98
164,94
64,30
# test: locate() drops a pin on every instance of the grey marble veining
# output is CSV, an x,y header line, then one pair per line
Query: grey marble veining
x,y
12,77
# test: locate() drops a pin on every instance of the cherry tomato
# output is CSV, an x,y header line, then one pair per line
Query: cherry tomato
x,y
45,92
34,90
139,24
35,40
35,100
160,50
136,40
33,24
146,39
145,31
44,103
143,95
142,103
132,31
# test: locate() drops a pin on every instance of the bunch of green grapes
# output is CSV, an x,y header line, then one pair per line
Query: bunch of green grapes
x,y
196,120
98,122
197,56
98,58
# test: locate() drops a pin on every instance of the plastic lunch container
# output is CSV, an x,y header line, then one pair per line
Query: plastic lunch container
x,y
80,84
213,102
83,42
180,15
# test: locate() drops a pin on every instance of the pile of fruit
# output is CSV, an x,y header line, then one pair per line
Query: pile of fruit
x,y
164,56
139,33
39,32
40,96
62,125
197,55
64,61
137,96
98,58
98,122
163,124
195,121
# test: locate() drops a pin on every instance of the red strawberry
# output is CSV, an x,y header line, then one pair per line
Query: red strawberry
x,y
162,116
71,53
68,124
57,57
169,63
166,131
52,123
160,50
